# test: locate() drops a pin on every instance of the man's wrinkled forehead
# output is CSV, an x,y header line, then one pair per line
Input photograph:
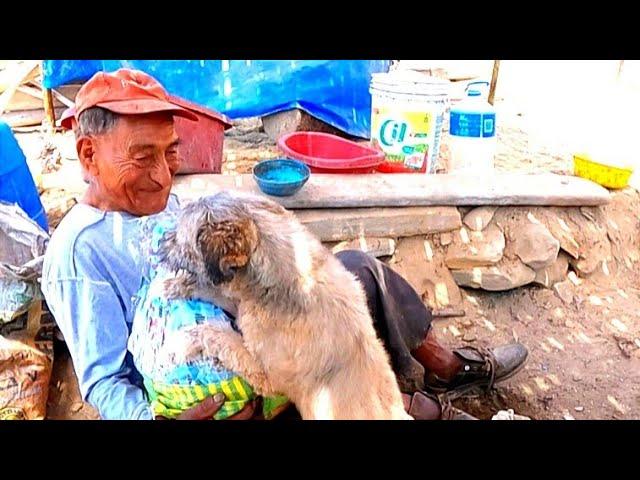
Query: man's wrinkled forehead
x,y
145,131
142,144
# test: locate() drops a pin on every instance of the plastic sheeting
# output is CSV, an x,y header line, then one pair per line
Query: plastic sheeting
x,y
22,247
16,182
334,91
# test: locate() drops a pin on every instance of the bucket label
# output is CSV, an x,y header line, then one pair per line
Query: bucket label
x,y
404,137
472,124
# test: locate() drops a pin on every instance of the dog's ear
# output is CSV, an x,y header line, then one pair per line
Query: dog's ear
x,y
226,247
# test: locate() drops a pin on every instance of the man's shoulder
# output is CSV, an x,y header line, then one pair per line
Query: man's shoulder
x,y
75,229
88,240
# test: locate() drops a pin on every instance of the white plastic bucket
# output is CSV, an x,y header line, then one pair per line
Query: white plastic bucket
x,y
407,113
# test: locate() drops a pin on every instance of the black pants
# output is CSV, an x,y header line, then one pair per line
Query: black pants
x,y
399,315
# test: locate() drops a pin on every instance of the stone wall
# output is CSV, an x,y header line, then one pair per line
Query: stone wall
x,y
503,248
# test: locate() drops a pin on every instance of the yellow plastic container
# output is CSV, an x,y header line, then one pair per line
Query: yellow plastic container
x,y
606,175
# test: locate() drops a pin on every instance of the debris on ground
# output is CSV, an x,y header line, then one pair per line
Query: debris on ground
x,y
508,415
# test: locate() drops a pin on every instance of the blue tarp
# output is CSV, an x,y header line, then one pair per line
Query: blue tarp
x,y
334,91
16,183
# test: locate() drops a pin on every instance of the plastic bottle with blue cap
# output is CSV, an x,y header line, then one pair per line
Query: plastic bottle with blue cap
x,y
472,130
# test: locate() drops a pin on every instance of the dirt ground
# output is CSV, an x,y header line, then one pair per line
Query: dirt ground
x,y
584,358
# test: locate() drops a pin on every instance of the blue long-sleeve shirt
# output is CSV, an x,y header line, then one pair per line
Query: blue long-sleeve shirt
x,y
90,275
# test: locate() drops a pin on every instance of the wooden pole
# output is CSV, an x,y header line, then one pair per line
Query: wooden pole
x,y
494,80
50,113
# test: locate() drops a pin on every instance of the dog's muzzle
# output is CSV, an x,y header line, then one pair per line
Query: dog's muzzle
x,y
217,275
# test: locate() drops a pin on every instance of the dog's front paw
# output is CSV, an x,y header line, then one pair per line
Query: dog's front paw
x,y
220,340
182,285
261,384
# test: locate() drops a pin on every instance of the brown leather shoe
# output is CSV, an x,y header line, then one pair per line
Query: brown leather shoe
x,y
481,369
424,406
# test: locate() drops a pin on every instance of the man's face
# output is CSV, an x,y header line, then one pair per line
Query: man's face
x,y
133,164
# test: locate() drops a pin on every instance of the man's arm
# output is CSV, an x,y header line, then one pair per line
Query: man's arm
x,y
92,320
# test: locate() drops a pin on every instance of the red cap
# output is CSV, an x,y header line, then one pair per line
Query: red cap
x,y
67,119
127,92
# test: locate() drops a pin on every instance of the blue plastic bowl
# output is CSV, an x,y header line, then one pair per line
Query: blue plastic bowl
x,y
281,177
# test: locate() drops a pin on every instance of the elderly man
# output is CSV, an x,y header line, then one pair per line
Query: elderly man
x,y
128,151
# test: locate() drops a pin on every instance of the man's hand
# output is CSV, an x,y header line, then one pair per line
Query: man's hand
x,y
206,409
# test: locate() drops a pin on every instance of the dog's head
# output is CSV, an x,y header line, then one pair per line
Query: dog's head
x,y
216,236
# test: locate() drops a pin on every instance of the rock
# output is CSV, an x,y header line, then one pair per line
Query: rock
x,y
478,218
595,300
424,268
579,409
562,232
454,331
564,290
554,273
509,415
535,245
596,246
469,337
585,266
504,276
378,247
289,121
446,239
626,346
573,278
476,249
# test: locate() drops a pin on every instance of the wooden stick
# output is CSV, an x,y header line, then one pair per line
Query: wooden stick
x,y
49,111
25,118
62,99
32,91
494,80
59,96
448,312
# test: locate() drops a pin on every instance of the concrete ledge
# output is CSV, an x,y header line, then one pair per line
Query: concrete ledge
x,y
404,190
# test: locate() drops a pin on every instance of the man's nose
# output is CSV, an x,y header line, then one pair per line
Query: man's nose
x,y
161,174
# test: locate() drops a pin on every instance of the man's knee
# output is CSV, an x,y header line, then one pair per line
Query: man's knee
x,y
355,260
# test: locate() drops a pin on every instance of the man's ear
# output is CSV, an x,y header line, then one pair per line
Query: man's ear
x,y
86,148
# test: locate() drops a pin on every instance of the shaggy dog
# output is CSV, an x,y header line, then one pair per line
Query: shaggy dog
x,y
306,329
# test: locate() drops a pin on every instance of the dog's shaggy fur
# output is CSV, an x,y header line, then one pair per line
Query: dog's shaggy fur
x,y
306,329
